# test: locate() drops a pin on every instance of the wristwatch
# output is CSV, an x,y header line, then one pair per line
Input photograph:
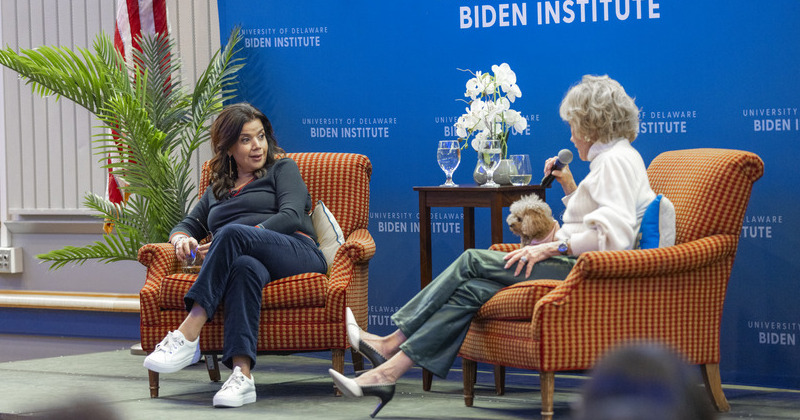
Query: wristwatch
x,y
563,247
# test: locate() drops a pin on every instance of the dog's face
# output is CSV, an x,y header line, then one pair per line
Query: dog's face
x,y
515,223
530,218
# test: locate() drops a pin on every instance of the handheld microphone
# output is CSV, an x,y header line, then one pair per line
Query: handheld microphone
x,y
564,158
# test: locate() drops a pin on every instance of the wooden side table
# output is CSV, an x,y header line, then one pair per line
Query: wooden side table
x,y
468,197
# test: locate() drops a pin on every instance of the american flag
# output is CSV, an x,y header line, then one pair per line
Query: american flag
x,y
134,17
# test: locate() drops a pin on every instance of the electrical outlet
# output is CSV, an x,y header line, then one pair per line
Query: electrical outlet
x,y
10,260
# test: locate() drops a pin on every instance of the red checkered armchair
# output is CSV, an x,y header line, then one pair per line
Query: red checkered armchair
x,y
299,313
673,295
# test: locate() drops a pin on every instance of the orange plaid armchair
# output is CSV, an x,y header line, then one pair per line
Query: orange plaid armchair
x,y
672,295
299,313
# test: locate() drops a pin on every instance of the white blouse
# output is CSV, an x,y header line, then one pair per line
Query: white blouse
x,y
605,211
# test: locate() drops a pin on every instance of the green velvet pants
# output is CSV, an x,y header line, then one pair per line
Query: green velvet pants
x,y
435,321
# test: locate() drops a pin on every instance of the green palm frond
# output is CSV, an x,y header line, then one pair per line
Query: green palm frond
x,y
165,101
154,127
114,247
131,230
214,86
78,76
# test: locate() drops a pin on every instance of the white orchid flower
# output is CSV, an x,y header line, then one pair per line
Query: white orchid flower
x,y
503,104
474,88
516,120
504,76
477,109
489,114
513,92
462,127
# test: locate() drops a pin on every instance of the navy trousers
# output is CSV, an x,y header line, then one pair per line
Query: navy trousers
x,y
436,320
240,262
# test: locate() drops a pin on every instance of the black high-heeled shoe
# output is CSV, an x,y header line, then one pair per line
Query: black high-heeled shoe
x,y
350,388
354,337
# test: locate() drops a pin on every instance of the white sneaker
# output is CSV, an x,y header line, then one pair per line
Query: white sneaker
x,y
237,390
173,353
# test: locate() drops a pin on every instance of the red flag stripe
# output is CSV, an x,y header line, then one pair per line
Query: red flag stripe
x,y
134,21
133,18
160,16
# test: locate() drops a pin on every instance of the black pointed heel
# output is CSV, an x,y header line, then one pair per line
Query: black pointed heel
x,y
384,392
350,388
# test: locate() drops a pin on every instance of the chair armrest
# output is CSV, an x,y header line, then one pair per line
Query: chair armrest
x,y
517,301
352,256
635,265
504,247
349,276
685,257
159,257
358,248
160,260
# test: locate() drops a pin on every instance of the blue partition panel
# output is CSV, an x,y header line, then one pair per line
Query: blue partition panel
x,y
383,79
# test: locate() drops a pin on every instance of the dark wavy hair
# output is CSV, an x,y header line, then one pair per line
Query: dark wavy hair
x,y
225,133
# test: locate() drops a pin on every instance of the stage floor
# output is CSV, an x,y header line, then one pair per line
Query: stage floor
x,y
42,375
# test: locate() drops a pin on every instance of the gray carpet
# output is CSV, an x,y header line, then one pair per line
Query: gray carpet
x,y
113,384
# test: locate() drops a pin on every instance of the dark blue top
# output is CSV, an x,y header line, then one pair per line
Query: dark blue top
x,y
278,201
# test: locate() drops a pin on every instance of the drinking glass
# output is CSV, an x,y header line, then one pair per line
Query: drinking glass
x,y
489,155
522,175
192,264
449,156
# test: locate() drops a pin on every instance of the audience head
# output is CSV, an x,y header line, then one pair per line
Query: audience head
x,y
644,382
598,110
82,409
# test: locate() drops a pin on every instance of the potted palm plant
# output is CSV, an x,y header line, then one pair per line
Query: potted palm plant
x,y
153,127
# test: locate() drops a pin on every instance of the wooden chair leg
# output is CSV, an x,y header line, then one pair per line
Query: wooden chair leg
x,y
358,360
714,387
499,379
337,362
153,383
469,370
212,364
427,379
547,381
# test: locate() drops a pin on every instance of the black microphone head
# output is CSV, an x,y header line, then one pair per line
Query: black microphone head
x,y
565,156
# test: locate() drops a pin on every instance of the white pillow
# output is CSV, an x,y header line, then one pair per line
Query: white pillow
x,y
329,234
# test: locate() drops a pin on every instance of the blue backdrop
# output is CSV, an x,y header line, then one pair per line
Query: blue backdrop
x,y
383,79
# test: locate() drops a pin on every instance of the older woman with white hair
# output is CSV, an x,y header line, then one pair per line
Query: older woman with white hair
x,y
603,212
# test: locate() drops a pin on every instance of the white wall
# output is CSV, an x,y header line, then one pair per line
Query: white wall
x,y
46,160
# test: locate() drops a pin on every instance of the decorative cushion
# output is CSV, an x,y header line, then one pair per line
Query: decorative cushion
x,y
329,234
658,225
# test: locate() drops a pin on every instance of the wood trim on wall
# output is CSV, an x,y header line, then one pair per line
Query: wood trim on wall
x,y
103,302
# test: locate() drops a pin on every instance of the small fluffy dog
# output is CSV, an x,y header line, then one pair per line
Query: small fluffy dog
x,y
532,219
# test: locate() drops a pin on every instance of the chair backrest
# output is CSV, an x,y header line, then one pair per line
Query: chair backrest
x,y
710,189
340,180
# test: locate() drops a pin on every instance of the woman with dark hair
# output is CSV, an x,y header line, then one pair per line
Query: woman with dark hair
x,y
257,208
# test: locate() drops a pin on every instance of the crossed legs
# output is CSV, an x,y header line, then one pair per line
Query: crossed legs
x,y
191,326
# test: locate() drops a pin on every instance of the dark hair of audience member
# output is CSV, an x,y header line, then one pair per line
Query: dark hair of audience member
x,y
644,382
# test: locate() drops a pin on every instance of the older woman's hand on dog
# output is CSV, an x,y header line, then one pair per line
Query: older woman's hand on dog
x,y
527,256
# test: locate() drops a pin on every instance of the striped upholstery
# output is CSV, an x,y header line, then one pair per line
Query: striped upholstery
x,y
299,313
673,295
